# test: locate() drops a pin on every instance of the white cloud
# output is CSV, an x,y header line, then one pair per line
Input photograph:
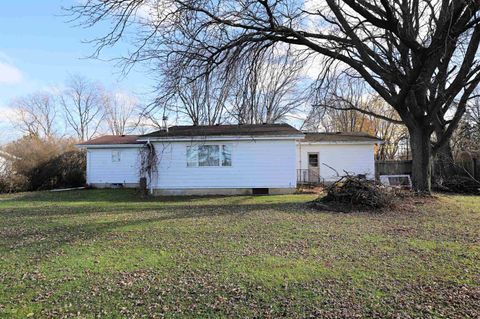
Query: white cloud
x,y
9,74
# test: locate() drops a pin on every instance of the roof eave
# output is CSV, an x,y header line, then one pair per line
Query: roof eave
x,y
343,142
109,145
220,137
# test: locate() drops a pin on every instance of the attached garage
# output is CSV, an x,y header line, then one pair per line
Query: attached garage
x,y
324,157
113,161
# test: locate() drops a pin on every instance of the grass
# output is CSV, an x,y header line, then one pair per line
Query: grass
x,y
107,253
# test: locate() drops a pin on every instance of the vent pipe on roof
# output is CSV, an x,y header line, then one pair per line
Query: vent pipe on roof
x,y
165,123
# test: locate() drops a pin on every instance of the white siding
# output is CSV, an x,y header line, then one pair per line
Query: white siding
x,y
101,169
353,158
255,164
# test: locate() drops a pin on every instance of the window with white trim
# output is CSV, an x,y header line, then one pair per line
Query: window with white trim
x,y
209,155
115,156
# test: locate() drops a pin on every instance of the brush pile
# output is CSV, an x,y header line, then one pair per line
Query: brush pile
x,y
353,192
459,184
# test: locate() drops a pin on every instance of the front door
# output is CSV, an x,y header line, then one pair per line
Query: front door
x,y
313,168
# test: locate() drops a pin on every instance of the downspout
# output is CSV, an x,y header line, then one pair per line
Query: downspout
x,y
298,171
150,173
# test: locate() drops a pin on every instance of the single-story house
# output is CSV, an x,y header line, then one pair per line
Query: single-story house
x,y
229,159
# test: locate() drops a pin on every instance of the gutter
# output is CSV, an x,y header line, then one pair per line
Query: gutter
x,y
341,142
109,145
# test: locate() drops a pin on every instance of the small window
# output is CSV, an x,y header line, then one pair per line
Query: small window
x,y
115,156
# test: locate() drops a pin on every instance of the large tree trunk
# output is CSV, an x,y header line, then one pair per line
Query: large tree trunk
x,y
444,163
421,159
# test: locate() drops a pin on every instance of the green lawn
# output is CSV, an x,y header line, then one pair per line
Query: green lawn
x,y
110,254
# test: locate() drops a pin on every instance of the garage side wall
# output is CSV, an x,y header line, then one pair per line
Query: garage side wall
x,y
353,158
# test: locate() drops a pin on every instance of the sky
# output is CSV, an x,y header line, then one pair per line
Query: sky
x,y
39,49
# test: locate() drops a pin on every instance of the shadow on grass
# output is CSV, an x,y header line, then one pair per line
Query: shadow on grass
x,y
115,196
47,204
44,235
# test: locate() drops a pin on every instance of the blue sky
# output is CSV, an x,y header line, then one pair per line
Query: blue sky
x,y
39,49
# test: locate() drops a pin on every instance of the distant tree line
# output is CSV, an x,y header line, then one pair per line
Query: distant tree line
x,y
52,122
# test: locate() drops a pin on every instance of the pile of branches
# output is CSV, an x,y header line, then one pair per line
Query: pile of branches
x,y
354,192
459,184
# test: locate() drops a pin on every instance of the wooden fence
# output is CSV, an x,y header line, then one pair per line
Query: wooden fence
x,y
470,167
393,168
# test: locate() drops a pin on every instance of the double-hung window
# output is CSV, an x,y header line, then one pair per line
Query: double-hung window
x,y
209,155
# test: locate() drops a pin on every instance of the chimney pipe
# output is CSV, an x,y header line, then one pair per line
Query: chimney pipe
x,y
165,123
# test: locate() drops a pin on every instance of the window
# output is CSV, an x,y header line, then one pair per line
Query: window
x,y
115,156
226,155
192,156
313,160
209,155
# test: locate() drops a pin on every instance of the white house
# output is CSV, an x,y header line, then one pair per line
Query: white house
x,y
324,157
229,159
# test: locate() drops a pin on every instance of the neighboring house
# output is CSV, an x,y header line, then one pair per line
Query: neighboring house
x,y
5,158
229,159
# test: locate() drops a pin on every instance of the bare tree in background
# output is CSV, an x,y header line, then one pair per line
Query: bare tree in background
x,y
120,112
419,56
37,114
338,102
391,133
267,89
348,106
202,100
467,136
82,104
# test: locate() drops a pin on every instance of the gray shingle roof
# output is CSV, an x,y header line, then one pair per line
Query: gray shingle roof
x,y
226,130
113,139
339,137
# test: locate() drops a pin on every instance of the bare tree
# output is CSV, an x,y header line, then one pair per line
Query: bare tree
x,y
202,100
392,134
338,106
266,90
82,104
120,112
37,114
467,136
419,56
340,102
